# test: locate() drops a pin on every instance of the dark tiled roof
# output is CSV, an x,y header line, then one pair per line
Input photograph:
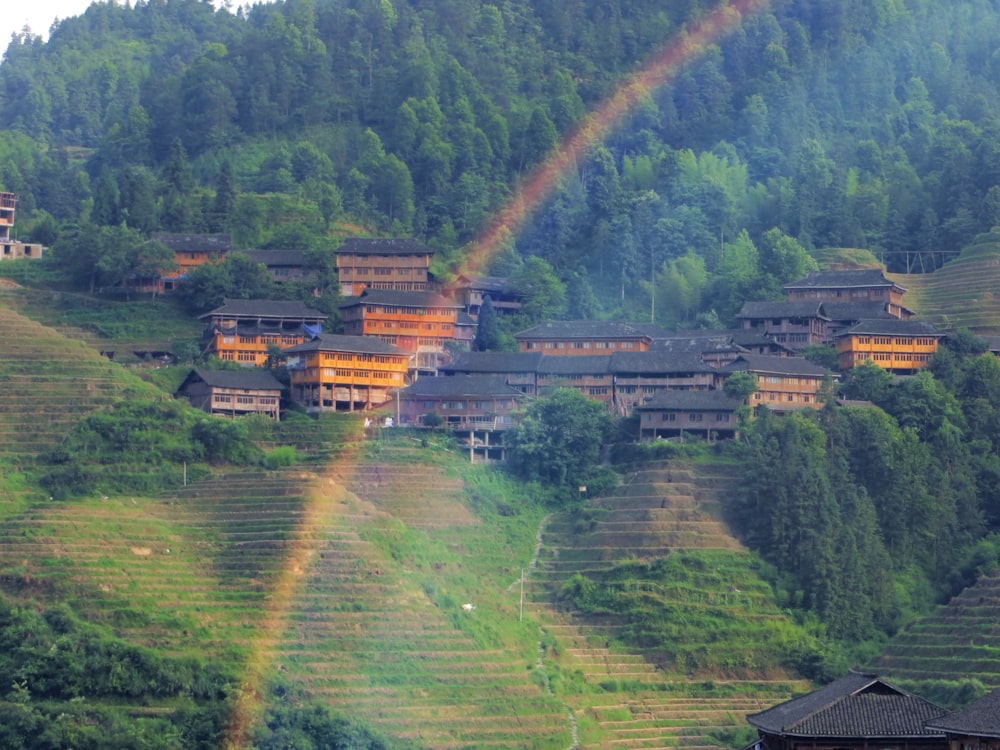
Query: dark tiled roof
x,y
776,365
383,246
843,311
892,327
191,243
272,258
330,342
483,283
782,309
250,378
582,364
461,385
696,342
693,400
265,308
581,329
496,362
400,299
859,277
856,706
981,717
658,362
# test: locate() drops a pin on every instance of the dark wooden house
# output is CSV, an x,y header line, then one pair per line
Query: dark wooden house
x,y
233,393
856,712
975,726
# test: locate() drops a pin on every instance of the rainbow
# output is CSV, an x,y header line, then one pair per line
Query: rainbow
x,y
596,126
250,700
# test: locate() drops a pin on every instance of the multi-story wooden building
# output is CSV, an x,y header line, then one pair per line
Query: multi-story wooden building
x,y
855,285
899,346
233,393
418,322
669,414
481,407
345,373
591,375
246,331
640,376
382,263
519,369
283,265
583,337
190,251
11,249
471,291
797,323
783,383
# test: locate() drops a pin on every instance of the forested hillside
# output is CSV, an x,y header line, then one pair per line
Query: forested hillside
x,y
801,125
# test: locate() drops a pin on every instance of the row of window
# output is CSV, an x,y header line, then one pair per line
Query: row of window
x,y
459,405
580,345
245,400
892,357
694,416
890,341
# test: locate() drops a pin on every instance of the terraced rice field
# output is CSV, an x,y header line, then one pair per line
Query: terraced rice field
x,y
637,698
959,641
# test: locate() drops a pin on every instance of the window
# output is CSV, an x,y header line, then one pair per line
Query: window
x,y
695,416
720,417
668,417
599,391
246,357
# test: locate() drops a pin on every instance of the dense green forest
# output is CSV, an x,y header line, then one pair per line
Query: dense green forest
x,y
862,124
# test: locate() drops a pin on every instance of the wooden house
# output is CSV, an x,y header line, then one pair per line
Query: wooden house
x,y
639,376
783,383
975,726
899,346
854,285
345,373
519,369
190,251
842,315
854,712
245,330
11,249
418,322
478,407
471,291
796,323
398,264
282,265
669,414
591,375
583,338
233,393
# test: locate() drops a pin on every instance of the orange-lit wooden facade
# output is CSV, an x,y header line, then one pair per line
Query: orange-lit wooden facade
x,y
855,285
345,373
418,322
398,264
190,251
899,346
582,337
783,383
243,331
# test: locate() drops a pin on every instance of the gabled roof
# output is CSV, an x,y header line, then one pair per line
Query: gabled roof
x,y
764,363
690,400
195,243
582,329
265,308
853,278
461,385
697,342
383,246
494,362
783,309
892,327
331,342
274,258
569,364
853,311
854,706
658,363
249,378
400,299
980,718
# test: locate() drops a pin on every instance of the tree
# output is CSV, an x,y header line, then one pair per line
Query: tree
x,y
487,328
544,294
559,439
